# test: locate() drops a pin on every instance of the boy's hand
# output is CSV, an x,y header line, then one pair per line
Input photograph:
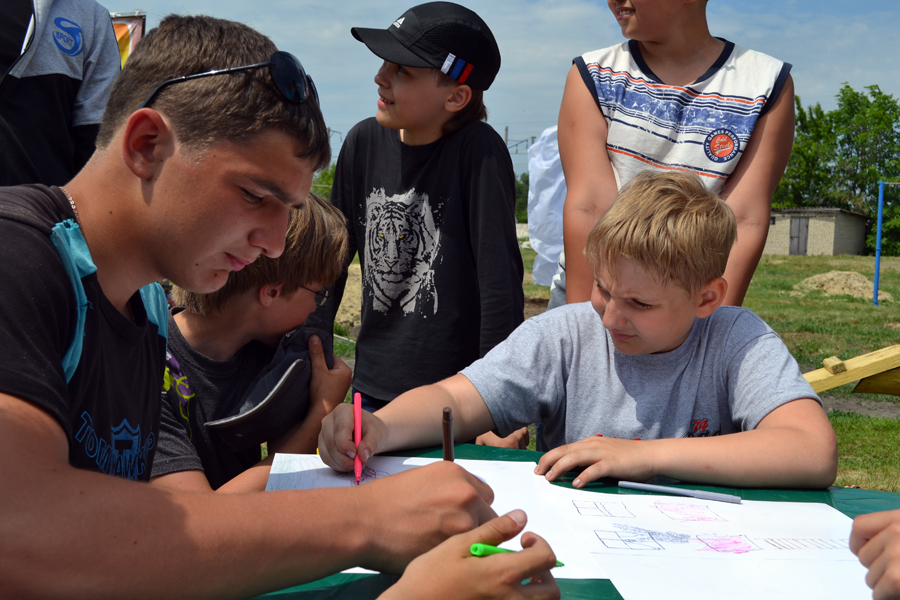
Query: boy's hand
x,y
336,445
450,571
875,539
410,513
603,457
517,440
327,387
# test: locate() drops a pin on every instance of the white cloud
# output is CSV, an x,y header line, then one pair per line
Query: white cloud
x,y
855,44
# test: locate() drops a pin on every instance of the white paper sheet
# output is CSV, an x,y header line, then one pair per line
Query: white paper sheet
x,y
671,547
513,484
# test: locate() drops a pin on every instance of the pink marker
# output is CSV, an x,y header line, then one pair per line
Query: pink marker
x,y
357,434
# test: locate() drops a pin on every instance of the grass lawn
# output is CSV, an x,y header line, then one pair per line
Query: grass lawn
x,y
815,327
868,451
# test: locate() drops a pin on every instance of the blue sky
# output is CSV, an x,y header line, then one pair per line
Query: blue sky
x,y
827,41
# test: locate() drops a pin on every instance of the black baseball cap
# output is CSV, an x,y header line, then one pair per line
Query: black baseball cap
x,y
439,35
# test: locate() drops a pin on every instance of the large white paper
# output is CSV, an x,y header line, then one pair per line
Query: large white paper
x,y
513,484
671,547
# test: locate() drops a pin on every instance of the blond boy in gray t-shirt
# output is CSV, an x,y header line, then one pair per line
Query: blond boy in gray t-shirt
x,y
650,378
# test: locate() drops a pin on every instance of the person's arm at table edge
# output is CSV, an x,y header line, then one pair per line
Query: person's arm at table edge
x,y
793,446
412,420
749,190
75,533
590,182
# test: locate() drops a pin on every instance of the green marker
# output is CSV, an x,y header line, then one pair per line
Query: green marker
x,y
487,550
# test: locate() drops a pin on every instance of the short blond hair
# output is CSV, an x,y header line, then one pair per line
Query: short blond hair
x,y
315,250
671,225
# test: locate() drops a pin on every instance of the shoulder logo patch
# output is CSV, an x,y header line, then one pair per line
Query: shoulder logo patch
x,y
68,37
721,145
398,22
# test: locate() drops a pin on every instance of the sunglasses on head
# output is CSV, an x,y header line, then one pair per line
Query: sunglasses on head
x,y
290,78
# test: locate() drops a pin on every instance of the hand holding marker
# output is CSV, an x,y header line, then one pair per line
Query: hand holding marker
x,y
357,434
487,550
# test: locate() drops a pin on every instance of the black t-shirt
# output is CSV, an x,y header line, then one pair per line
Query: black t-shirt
x,y
104,395
197,390
442,272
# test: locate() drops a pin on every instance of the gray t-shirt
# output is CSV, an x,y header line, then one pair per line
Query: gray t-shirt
x,y
562,368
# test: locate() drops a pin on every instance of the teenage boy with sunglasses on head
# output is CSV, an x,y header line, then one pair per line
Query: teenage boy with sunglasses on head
x,y
226,349
429,194
194,183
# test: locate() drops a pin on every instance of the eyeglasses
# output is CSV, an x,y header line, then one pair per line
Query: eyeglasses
x,y
290,78
321,295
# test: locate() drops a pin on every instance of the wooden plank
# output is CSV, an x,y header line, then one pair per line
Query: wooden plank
x,y
859,367
834,365
887,382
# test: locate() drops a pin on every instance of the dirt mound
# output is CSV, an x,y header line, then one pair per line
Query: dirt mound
x,y
841,283
350,310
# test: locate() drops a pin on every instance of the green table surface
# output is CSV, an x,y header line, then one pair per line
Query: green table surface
x,y
851,502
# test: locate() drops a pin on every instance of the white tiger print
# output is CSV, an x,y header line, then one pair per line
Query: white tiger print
x,y
402,241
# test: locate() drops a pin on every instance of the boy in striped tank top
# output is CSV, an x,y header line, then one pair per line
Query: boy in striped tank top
x,y
673,97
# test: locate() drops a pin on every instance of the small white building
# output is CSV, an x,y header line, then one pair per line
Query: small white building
x,y
816,232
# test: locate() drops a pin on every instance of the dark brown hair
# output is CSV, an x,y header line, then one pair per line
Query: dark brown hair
x,y
314,252
204,111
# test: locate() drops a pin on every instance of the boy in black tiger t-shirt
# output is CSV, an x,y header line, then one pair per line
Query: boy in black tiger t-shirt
x,y
428,190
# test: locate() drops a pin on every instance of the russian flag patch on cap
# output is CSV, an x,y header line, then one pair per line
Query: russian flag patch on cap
x,y
456,69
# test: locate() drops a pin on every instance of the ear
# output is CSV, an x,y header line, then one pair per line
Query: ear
x,y
147,141
711,296
268,294
458,100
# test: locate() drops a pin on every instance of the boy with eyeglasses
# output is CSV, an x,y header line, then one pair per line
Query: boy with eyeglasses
x,y
189,182
221,347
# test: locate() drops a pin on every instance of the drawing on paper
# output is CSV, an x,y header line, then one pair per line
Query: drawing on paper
x,y
729,544
368,474
620,540
809,544
586,508
678,511
663,537
636,538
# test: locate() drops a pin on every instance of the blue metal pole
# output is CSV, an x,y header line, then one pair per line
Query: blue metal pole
x,y
878,240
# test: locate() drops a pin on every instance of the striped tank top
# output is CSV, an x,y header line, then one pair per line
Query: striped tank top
x,y
703,127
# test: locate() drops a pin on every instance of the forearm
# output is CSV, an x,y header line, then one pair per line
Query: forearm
x,y
89,535
413,420
772,457
591,186
67,532
577,224
750,187
744,257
